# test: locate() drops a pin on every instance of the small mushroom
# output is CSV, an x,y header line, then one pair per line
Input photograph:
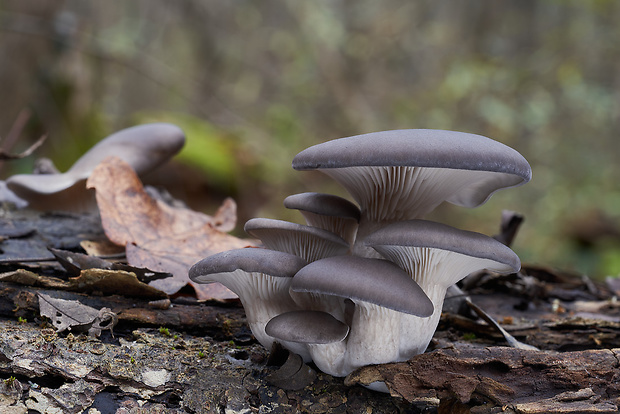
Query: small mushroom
x,y
320,332
261,278
381,292
309,243
328,212
404,174
144,147
308,327
437,256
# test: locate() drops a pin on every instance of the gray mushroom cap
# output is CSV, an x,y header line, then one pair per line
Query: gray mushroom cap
x,y
251,260
424,233
310,243
425,148
416,148
309,327
144,147
323,204
375,281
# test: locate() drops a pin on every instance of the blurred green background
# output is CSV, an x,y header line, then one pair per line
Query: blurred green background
x,y
253,83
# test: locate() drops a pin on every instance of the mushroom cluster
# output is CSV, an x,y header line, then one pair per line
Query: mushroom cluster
x,y
364,284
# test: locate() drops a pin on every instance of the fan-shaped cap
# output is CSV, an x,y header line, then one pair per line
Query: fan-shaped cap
x,y
309,327
310,243
323,204
381,169
144,147
368,280
251,260
424,233
416,148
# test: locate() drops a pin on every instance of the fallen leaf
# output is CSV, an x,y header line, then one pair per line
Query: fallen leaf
x,y
225,218
101,247
109,282
113,281
74,263
28,278
67,315
156,235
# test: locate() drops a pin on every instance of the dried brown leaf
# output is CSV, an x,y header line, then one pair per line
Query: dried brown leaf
x,y
101,248
156,235
110,282
225,218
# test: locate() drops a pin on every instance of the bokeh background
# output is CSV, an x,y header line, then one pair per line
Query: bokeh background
x,y
253,83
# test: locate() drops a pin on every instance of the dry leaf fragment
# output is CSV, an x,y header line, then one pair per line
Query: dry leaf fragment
x,y
101,248
28,278
156,235
67,315
74,263
225,218
114,282
108,282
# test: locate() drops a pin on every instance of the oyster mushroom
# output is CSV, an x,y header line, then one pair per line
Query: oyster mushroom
x,y
328,212
321,333
404,174
310,243
436,256
381,292
261,278
144,147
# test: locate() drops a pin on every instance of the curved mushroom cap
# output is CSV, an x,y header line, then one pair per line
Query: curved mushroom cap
x,y
309,327
144,147
471,168
310,243
429,234
323,204
374,281
251,260
329,212
261,278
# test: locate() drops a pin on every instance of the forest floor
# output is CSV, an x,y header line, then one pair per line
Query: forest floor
x,y
537,341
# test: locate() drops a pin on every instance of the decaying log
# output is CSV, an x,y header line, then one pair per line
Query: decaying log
x,y
179,356
510,379
223,322
153,371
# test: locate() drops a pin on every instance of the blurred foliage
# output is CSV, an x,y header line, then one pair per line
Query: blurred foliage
x,y
254,83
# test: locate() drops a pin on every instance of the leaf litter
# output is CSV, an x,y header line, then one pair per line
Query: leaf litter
x,y
158,236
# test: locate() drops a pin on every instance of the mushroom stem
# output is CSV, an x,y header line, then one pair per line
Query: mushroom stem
x,y
373,338
263,297
415,332
330,358
434,270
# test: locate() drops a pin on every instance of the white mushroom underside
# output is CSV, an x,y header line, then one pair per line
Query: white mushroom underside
x,y
434,270
334,305
343,227
307,246
262,296
404,193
